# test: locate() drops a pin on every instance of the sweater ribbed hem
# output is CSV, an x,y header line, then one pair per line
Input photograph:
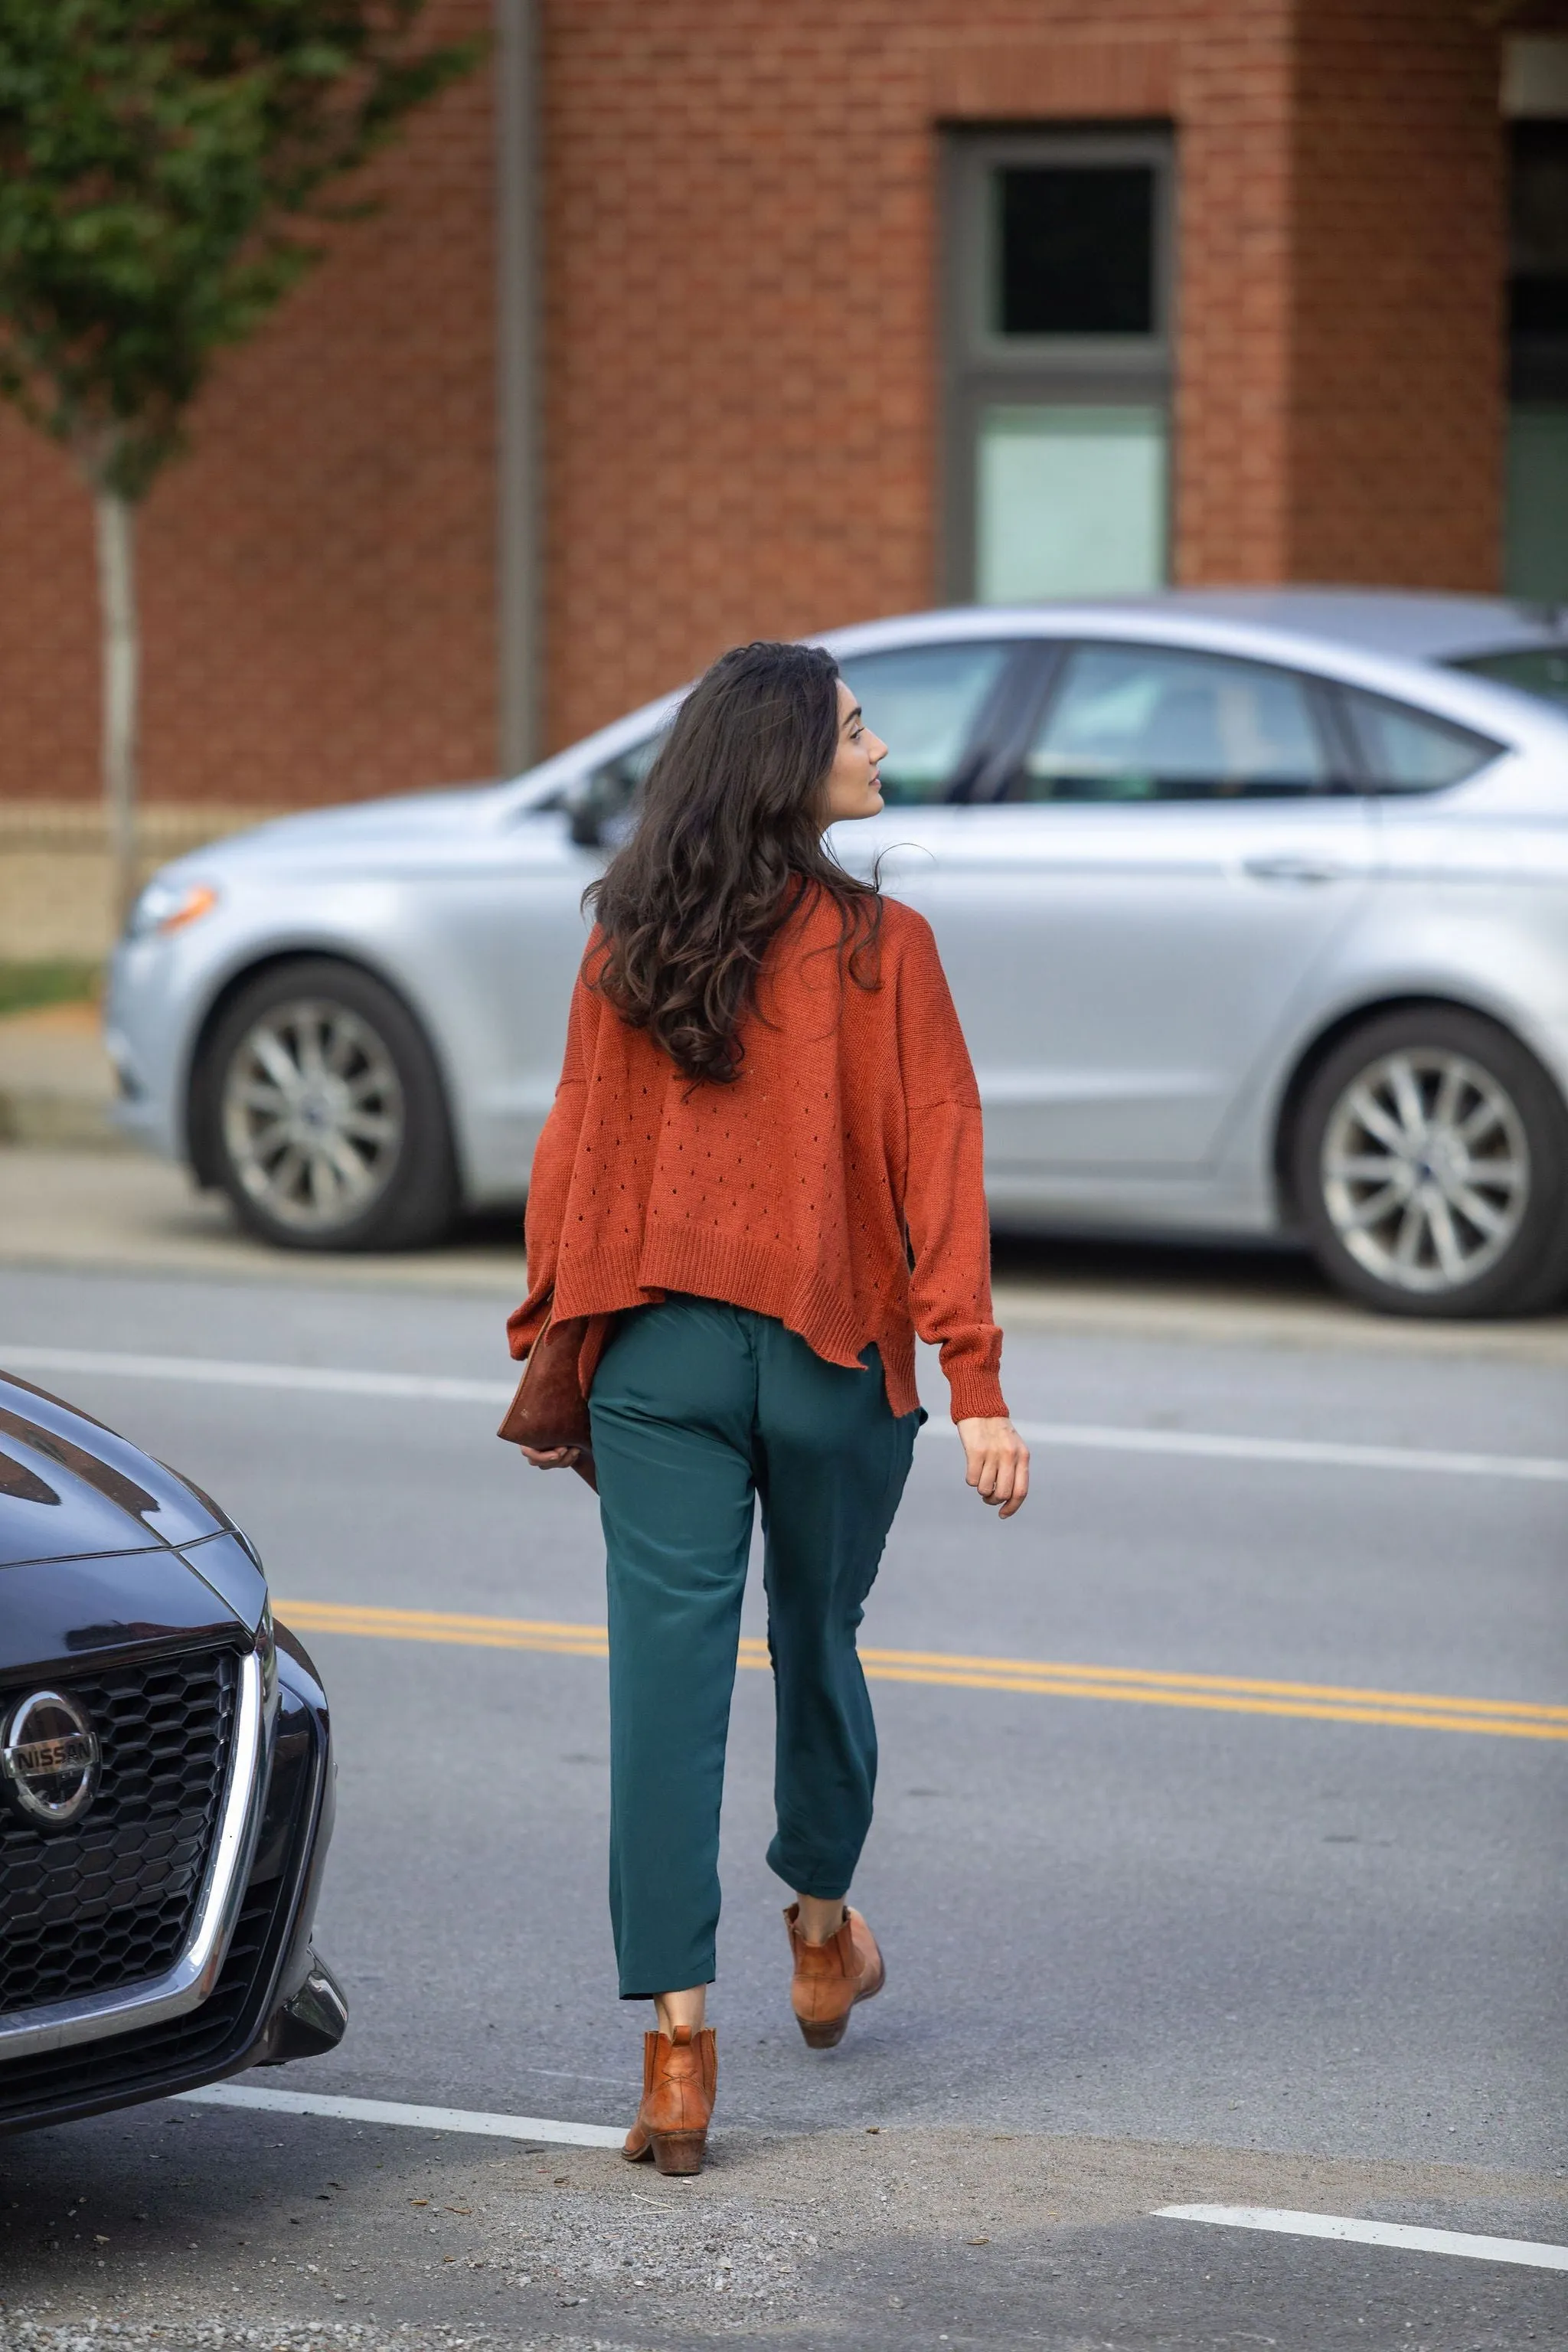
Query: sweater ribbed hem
x,y
743,1273
770,1282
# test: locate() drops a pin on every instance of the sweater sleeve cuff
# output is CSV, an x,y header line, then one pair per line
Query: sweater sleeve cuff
x,y
525,1323
976,1395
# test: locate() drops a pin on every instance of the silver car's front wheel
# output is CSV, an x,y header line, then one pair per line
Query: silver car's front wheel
x,y
318,1108
1431,1166
312,1114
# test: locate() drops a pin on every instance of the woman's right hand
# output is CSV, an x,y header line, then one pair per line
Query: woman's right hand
x,y
559,1457
997,1463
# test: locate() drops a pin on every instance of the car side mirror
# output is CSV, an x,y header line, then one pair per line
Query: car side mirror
x,y
599,806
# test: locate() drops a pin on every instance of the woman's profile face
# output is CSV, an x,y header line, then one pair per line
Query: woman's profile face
x,y
853,788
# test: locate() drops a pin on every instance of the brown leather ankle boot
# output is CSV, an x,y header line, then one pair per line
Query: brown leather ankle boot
x,y
830,1978
680,2076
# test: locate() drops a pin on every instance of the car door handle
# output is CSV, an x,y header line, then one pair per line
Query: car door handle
x,y
1294,866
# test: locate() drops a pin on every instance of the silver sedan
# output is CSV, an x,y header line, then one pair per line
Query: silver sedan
x,y
1255,906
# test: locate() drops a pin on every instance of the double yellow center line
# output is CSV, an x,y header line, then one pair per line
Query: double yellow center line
x,y
1036,1677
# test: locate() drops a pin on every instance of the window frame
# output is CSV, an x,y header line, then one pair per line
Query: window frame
x,y
983,369
1536,357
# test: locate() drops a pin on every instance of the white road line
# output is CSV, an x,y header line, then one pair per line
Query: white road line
x,y
394,2111
213,1372
423,1387
1373,2233
1324,1452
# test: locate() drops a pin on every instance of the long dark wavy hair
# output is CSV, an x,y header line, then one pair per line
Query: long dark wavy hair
x,y
727,846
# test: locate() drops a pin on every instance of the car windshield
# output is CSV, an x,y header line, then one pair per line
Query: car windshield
x,y
1541,670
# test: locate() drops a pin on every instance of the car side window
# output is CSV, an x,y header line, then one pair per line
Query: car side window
x,y
1405,751
925,702
1158,723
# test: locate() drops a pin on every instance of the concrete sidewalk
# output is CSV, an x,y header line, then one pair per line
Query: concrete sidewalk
x,y
56,1080
125,1212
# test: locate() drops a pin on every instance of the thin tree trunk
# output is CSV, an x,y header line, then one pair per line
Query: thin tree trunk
x,y
121,666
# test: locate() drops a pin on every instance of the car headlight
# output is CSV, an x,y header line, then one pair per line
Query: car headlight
x,y
169,907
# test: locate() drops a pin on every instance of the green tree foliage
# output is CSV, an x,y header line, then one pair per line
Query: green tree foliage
x,y
166,169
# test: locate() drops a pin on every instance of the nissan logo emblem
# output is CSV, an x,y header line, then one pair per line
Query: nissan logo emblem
x,y
49,1758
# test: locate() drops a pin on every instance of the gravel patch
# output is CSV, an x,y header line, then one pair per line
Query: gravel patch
x,y
32,2331
717,2247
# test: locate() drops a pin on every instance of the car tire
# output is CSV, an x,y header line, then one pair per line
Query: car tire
x,y
1430,1167
320,1112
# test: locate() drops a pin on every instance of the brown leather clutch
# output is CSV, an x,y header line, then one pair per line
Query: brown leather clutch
x,y
550,1409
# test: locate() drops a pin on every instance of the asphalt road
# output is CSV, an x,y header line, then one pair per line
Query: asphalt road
x,y
1140,1952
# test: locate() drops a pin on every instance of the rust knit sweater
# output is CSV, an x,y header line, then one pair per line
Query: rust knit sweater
x,y
849,1144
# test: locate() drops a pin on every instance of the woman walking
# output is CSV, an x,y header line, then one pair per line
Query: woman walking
x,y
761,1177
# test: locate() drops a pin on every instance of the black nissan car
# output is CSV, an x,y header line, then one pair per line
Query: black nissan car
x,y
166,1784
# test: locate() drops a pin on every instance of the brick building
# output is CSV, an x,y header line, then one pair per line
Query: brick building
x,y
691,320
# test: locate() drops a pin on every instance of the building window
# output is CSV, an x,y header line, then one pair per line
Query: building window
x,y
1057,343
1535,545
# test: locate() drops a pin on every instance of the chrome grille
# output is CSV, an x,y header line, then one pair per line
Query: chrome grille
x,y
112,1901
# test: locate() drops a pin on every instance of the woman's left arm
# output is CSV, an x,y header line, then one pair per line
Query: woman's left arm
x,y
550,1179
948,1227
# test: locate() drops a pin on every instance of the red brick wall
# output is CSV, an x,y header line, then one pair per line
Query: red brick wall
x,y
741,237
740,234
1234,248
317,576
1397,328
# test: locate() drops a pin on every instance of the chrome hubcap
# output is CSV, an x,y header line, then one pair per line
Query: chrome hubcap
x,y
1426,1169
312,1114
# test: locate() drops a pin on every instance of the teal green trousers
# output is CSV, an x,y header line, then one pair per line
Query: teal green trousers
x,y
700,1410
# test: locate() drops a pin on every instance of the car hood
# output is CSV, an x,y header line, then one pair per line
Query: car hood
x,y
100,1545
69,1486
404,819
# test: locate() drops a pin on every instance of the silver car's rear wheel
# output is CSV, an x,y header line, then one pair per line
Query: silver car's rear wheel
x,y
1431,1165
318,1108
313,1114
1426,1169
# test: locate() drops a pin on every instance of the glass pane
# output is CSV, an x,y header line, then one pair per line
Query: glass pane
x,y
924,702
1534,669
1408,750
1146,723
1069,502
1538,231
1535,559
1075,250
